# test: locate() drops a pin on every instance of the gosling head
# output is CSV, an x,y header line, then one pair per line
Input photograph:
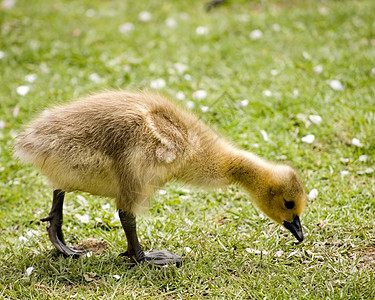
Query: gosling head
x,y
283,199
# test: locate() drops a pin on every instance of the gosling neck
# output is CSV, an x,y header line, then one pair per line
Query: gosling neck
x,y
250,171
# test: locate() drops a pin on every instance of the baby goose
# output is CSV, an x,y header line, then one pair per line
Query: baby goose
x,y
126,145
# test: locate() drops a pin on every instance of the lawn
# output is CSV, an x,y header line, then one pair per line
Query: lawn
x,y
292,81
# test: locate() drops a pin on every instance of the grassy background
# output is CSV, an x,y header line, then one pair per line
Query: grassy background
x,y
65,42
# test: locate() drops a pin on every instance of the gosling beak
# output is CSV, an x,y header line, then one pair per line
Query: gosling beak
x,y
295,228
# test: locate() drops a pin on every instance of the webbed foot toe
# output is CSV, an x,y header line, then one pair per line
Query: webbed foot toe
x,y
162,258
156,257
56,236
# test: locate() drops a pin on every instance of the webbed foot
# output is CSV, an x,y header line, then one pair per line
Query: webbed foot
x,y
56,237
162,258
54,222
135,252
157,257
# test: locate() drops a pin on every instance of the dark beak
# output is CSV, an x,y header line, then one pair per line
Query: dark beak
x,y
295,228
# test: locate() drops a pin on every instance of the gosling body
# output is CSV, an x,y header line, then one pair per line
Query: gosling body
x,y
126,145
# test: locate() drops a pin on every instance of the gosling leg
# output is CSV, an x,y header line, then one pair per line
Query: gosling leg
x,y
54,222
135,252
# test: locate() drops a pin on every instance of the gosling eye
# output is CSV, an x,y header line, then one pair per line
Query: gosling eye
x,y
289,204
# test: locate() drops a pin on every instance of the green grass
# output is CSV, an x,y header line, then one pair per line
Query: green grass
x,y
64,42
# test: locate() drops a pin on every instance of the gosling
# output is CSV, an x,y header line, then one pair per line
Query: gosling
x,y
127,145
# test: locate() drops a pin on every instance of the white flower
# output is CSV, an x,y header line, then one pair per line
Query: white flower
x,y
199,94
292,254
29,270
318,69
250,250
8,4
295,92
306,55
188,249
201,30
344,173
264,135
188,222
2,54
279,253
256,34
344,160
267,93
369,170
23,239
2,124
336,85
180,95
144,16
255,251
276,27
31,78
30,233
82,200
315,119
180,67
190,104
22,90
274,72
95,78
126,27
106,206
323,10
83,218
158,84
205,108
185,197
187,77
117,276
162,192
127,68
362,158
171,23
309,139
242,103
357,143
313,194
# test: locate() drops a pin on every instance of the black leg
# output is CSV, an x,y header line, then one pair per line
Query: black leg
x,y
135,252
55,221
128,222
